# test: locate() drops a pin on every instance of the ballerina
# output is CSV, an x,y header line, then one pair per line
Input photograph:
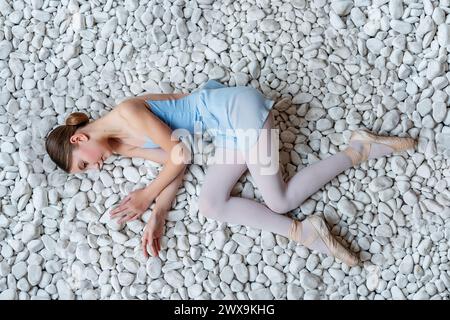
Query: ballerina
x,y
241,121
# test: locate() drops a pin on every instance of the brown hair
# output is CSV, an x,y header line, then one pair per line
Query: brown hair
x,y
58,145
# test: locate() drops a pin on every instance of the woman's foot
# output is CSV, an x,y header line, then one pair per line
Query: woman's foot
x,y
314,234
365,145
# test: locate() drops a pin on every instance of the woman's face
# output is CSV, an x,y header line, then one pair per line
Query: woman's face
x,y
88,153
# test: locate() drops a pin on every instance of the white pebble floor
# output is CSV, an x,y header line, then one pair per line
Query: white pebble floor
x,y
341,65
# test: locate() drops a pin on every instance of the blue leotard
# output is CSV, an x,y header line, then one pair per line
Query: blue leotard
x,y
216,108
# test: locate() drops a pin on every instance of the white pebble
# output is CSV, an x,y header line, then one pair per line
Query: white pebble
x,y
346,207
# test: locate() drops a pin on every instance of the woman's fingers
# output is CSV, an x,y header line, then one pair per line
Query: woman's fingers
x,y
121,206
120,221
155,248
121,214
133,217
144,244
118,210
158,245
128,215
148,240
136,216
123,218
122,203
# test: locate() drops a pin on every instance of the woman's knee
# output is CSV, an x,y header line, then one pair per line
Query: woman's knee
x,y
209,206
279,205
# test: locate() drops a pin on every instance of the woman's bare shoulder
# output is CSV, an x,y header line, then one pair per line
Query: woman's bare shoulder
x,y
139,101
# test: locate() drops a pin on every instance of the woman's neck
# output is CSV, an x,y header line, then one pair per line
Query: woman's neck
x,y
103,128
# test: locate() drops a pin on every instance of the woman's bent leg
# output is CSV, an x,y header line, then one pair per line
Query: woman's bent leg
x,y
280,196
216,203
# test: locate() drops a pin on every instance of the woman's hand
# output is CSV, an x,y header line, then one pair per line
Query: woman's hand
x,y
153,232
132,206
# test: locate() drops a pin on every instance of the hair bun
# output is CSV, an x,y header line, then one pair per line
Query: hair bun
x,y
77,119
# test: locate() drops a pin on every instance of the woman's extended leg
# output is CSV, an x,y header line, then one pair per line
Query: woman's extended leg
x,y
282,197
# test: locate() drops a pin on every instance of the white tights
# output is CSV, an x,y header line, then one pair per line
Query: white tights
x,y
279,196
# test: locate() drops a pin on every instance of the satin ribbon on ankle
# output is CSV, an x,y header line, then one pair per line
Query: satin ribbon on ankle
x,y
295,231
357,157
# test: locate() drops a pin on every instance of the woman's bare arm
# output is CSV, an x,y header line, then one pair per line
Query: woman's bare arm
x,y
157,155
136,115
165,198
164,201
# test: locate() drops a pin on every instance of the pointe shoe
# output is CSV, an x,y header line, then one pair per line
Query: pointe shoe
x,y
322,231
367,138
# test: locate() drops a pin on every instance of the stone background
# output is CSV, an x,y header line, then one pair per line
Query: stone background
x,y
341,65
